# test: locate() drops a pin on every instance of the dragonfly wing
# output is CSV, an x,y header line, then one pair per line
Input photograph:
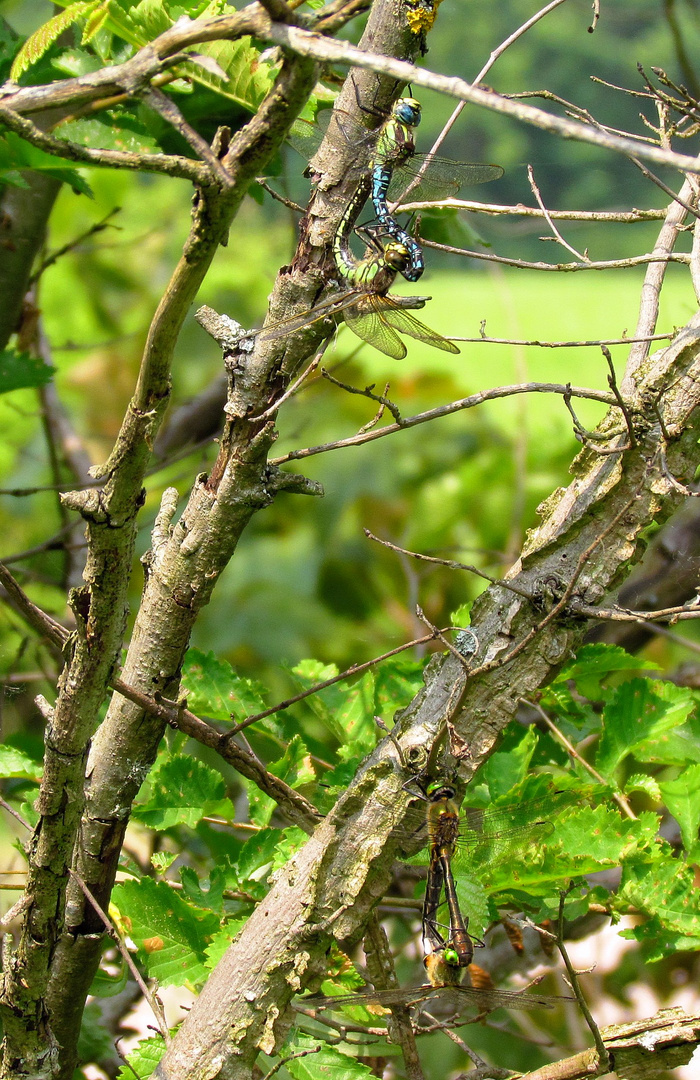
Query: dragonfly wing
x,y
372,327
441,178
326,309
486,1000
401,320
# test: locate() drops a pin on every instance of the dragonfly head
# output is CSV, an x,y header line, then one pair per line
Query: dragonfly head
x,y
408,111
396,256
439,790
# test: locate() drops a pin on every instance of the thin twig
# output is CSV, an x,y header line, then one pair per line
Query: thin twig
x,y
540,201
561,268
151,998
447,410
605,1063
571,749
383,400
355,669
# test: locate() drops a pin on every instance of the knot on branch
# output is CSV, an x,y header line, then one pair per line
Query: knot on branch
x,y
295,483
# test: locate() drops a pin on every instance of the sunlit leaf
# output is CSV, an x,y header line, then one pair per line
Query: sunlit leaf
x,y
42,39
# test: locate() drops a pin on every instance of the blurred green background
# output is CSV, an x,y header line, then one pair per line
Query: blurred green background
x,y
305,581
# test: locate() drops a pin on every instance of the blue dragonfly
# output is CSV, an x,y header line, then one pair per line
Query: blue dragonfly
x,y
394,165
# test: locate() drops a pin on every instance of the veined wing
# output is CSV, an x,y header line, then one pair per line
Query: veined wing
x,y
462,997
370,325
491,836
408,324
333,305
442,177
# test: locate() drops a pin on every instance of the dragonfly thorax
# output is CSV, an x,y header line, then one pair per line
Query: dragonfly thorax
x,y
407,111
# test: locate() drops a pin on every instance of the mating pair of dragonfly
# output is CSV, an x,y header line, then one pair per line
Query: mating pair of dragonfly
x,y
480,837
370,313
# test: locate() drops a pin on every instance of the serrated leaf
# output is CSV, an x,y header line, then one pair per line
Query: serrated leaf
x,y
161,860
639,710
42,39
213,688
593,662
322,1062
221,941
682,797
182,790
508,767
206,894
642,782
294,767
144,1060
95,22
95,1041
17,765
665,888
355,717
166,930
397,681
257,856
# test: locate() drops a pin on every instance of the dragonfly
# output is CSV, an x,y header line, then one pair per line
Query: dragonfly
x,y
483,839
394,164
370,313
443,831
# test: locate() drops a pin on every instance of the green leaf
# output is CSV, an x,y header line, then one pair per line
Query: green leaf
x,y
106,985
509,766
114,130
639,710
294,767
257,857
211,896
166,929
95,22
664,887
95,1041
324,1063
213,688
642,782
19,370
221,941
161,860
144,1060
17,765
41,40
397,681
182,790
16,153
593,662
682,797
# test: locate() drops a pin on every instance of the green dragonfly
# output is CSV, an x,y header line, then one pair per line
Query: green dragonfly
x,y
484,840
370,313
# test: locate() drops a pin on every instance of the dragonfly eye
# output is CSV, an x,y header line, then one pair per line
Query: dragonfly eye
x,y
396,256
408,111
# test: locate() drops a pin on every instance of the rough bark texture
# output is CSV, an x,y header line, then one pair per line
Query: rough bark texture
x,y
591,533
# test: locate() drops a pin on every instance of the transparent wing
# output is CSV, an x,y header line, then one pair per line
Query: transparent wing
x,y
372,327
441,178
326,309
499,833
400,320
461,997
306,137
